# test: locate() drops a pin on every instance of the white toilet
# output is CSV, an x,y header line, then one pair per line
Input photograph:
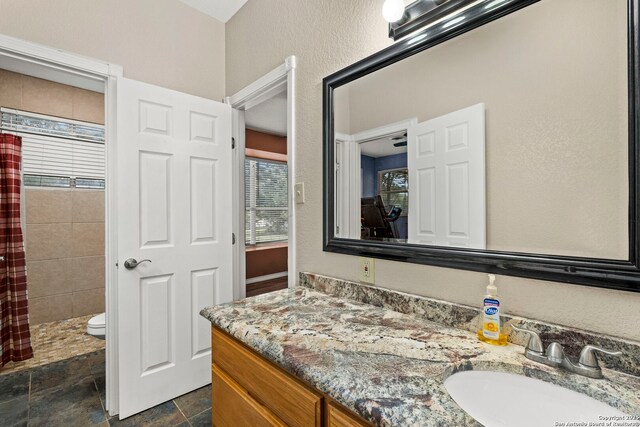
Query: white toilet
x,y
97,325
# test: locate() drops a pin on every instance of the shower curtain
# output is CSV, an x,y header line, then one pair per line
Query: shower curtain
x,y
15,340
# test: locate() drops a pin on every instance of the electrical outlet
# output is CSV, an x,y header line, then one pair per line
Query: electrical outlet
x,y
367,270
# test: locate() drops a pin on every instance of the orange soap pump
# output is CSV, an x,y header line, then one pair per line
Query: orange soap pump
x,y
490,330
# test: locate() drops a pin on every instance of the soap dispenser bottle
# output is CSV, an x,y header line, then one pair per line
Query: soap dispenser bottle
x,y
490,330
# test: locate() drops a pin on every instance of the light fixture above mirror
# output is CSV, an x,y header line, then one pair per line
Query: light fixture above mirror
x,y
393,10
419,14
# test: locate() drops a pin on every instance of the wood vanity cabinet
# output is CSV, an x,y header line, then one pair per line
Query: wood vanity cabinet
x,y
248,390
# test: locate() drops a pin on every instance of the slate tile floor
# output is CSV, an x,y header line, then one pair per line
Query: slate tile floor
x,y
71,393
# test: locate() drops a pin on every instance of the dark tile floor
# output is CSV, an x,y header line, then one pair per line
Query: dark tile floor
x,y
71,393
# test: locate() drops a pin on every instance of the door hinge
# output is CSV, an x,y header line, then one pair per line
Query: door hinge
x,y
233,238
233,143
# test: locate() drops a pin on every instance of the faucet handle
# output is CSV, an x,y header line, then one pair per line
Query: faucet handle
x,y
555,353
535,343
588,355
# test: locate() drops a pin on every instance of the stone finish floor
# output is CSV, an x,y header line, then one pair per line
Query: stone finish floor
x,y
71,393
56,341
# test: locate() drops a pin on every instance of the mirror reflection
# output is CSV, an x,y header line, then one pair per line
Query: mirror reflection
x,y
384,201
510,137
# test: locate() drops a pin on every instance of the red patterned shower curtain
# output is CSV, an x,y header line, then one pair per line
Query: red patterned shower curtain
x,y
15,340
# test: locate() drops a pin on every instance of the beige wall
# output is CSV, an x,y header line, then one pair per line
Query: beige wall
x,y
552,153
327,36
65,253
45,97
163,42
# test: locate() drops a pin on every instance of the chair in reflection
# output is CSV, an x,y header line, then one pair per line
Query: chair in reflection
x,y
377,223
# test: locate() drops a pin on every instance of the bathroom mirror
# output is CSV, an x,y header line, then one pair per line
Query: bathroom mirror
x,y
501,139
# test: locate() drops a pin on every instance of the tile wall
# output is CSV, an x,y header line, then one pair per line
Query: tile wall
x,y
65,253
45,97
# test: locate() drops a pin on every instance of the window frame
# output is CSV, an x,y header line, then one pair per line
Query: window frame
x,y
405,212
75,148
256,155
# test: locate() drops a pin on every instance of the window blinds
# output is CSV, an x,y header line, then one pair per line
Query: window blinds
x,y
62,157
266,207
58,152
393,187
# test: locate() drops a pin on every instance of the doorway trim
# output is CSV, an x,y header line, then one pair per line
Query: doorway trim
x,y
272,83
349,208
80,71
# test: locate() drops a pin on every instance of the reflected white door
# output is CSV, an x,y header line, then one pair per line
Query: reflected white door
x,y
174,208
446,162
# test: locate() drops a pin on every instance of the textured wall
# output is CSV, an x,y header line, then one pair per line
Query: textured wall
x,y
163,42
327,36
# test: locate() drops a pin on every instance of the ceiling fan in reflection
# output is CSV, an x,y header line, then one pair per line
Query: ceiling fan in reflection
x,y
401,140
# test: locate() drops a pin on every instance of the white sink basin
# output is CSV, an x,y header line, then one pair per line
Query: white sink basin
x,y
499,399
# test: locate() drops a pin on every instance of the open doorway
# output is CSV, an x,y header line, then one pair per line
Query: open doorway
x,y
58,130
61,130
266,196
385,188
264,217
372,183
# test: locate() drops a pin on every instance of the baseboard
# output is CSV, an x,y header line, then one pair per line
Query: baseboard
x,y
267,277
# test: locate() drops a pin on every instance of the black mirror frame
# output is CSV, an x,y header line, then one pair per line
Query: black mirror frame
x,y
603,273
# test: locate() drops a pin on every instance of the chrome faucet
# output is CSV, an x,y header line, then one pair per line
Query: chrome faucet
x,y
554,355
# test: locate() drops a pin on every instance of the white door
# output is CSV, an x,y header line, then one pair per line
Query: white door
x,y
174,208
446,162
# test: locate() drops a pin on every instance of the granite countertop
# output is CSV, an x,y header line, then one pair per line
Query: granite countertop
x,y
386,366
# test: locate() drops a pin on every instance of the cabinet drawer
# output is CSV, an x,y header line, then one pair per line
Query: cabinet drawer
x,y
232,406
339,417
287,398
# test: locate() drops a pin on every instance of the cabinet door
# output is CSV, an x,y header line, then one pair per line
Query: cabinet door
x,y
291,401
339,417
232,406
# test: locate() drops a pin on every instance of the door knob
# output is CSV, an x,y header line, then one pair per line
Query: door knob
x,y
132,263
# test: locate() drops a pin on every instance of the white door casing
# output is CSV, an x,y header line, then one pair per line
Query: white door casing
x,y
239,258
347,187
174,207
348,175
446,162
